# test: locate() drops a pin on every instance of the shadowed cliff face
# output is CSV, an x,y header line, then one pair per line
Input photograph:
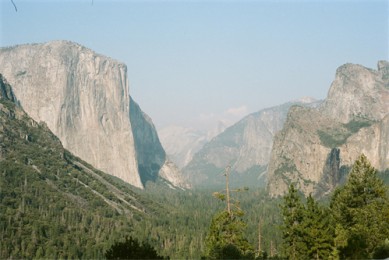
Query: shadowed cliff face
x,y
316,146
83,97
333,174
331,169
6,90
149,152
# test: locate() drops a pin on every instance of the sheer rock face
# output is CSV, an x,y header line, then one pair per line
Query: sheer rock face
x,y
358,91
152,160
316,146
83,98
246,146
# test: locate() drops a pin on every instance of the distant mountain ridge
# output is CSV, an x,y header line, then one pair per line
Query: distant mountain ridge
x,y
317,145
84,98
246,146
181,143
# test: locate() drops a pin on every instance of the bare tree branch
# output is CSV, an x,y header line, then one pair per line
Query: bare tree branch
x,y
16,9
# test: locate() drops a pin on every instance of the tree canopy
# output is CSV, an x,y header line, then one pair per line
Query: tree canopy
x,y
132,249
361,212
355,226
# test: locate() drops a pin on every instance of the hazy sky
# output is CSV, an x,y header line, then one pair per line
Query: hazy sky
x,y
193,62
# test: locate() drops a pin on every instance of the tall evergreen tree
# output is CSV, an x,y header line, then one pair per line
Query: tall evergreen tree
x,y
361,212
317,233
225,239
292,228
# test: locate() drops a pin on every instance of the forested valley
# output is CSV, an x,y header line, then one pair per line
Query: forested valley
x,y
54,205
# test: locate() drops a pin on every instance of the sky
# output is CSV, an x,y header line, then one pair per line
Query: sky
x,y
194,63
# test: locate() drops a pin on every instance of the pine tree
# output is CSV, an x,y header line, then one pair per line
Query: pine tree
x,y
361,212
225,239
292,229
317,233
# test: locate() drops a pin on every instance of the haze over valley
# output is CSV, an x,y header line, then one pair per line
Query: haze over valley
x,y
196,130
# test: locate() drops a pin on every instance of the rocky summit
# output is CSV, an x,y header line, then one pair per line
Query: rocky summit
x,y
317,146
84,99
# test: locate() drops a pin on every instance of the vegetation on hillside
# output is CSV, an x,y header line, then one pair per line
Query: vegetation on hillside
x,y
354,226
335,137
54,205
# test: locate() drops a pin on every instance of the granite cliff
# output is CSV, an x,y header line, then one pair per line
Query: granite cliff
x,y
317,146
44,187
84,99
246,146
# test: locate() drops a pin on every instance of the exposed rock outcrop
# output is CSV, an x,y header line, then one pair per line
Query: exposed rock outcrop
x,y
6,90
246,146
316,146
84,99
358,92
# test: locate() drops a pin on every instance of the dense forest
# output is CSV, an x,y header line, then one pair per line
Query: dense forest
x,y
54,205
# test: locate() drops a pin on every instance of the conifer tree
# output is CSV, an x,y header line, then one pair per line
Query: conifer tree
x,y
317,232
293,211
361,212
225,239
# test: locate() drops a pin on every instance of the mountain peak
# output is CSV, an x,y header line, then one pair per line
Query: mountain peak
x,y
358,92
317,145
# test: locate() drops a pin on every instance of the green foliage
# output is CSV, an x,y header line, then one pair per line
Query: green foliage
x,y
181,232
292,211
307,232
226,238
288,166
356,226
51,207
131,249
382,251
358,123
338,136
317,230
334,137
384,175
361,212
